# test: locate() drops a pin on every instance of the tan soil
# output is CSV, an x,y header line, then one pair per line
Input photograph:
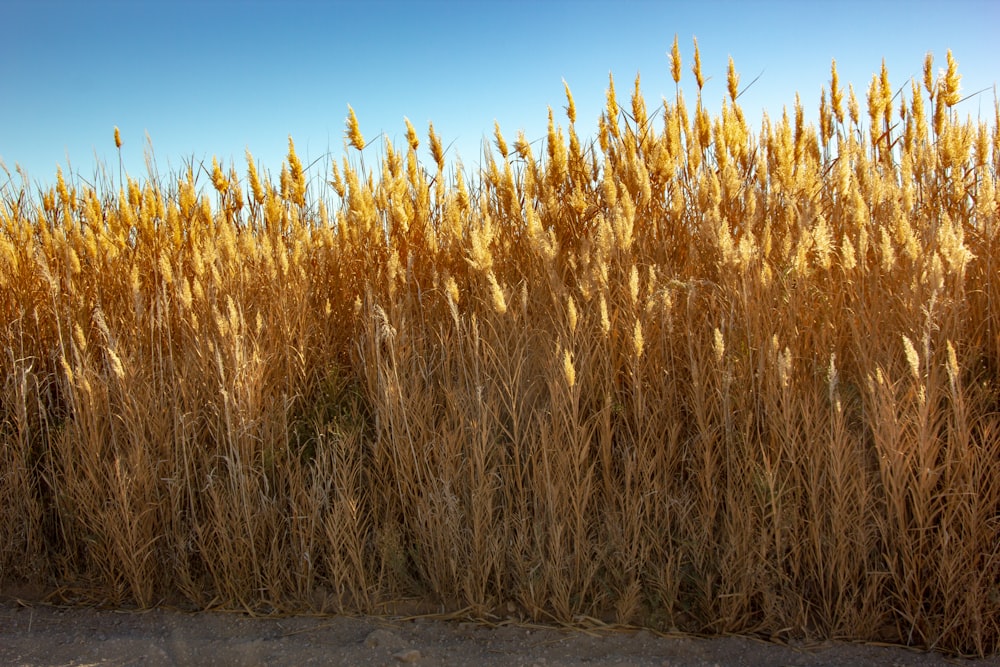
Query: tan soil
x,y
34,635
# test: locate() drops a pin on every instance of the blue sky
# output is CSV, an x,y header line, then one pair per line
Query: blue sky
x,y
214,77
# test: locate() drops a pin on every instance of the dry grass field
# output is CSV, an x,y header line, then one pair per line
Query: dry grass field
x,y
684,374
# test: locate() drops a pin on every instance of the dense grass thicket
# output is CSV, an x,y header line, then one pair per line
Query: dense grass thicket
x,y
682,374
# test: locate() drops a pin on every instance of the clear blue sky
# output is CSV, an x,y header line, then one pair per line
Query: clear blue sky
x,y
213,77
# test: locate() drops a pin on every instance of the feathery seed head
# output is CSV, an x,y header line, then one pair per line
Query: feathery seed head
x,y
825,118
733,80
929,75
836,94
912,358
451,289
523,148
569,373
917,111
853,108
461,194
675,61
411,135
337,182
822,239
499,301
611,108
885,89
500,141
696,67
297,174
116,364
437,152
49,201
64,196
285,179
940,116
166,271
952,367
118,138
570,104
255,186
74,261
831,374
666,300
67,370
784,364
719,345
185,295
219,180
638,342
951,83
848,260
874,105
78,338
935,274
353,132
703,125
394,272
633,285
888,251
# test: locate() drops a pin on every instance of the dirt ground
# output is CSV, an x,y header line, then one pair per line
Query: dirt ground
x,y
32,635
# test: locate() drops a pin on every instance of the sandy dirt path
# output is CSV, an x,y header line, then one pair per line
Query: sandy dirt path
x,y
35,635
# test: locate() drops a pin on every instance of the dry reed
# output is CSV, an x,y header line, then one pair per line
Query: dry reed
x,y
682,375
